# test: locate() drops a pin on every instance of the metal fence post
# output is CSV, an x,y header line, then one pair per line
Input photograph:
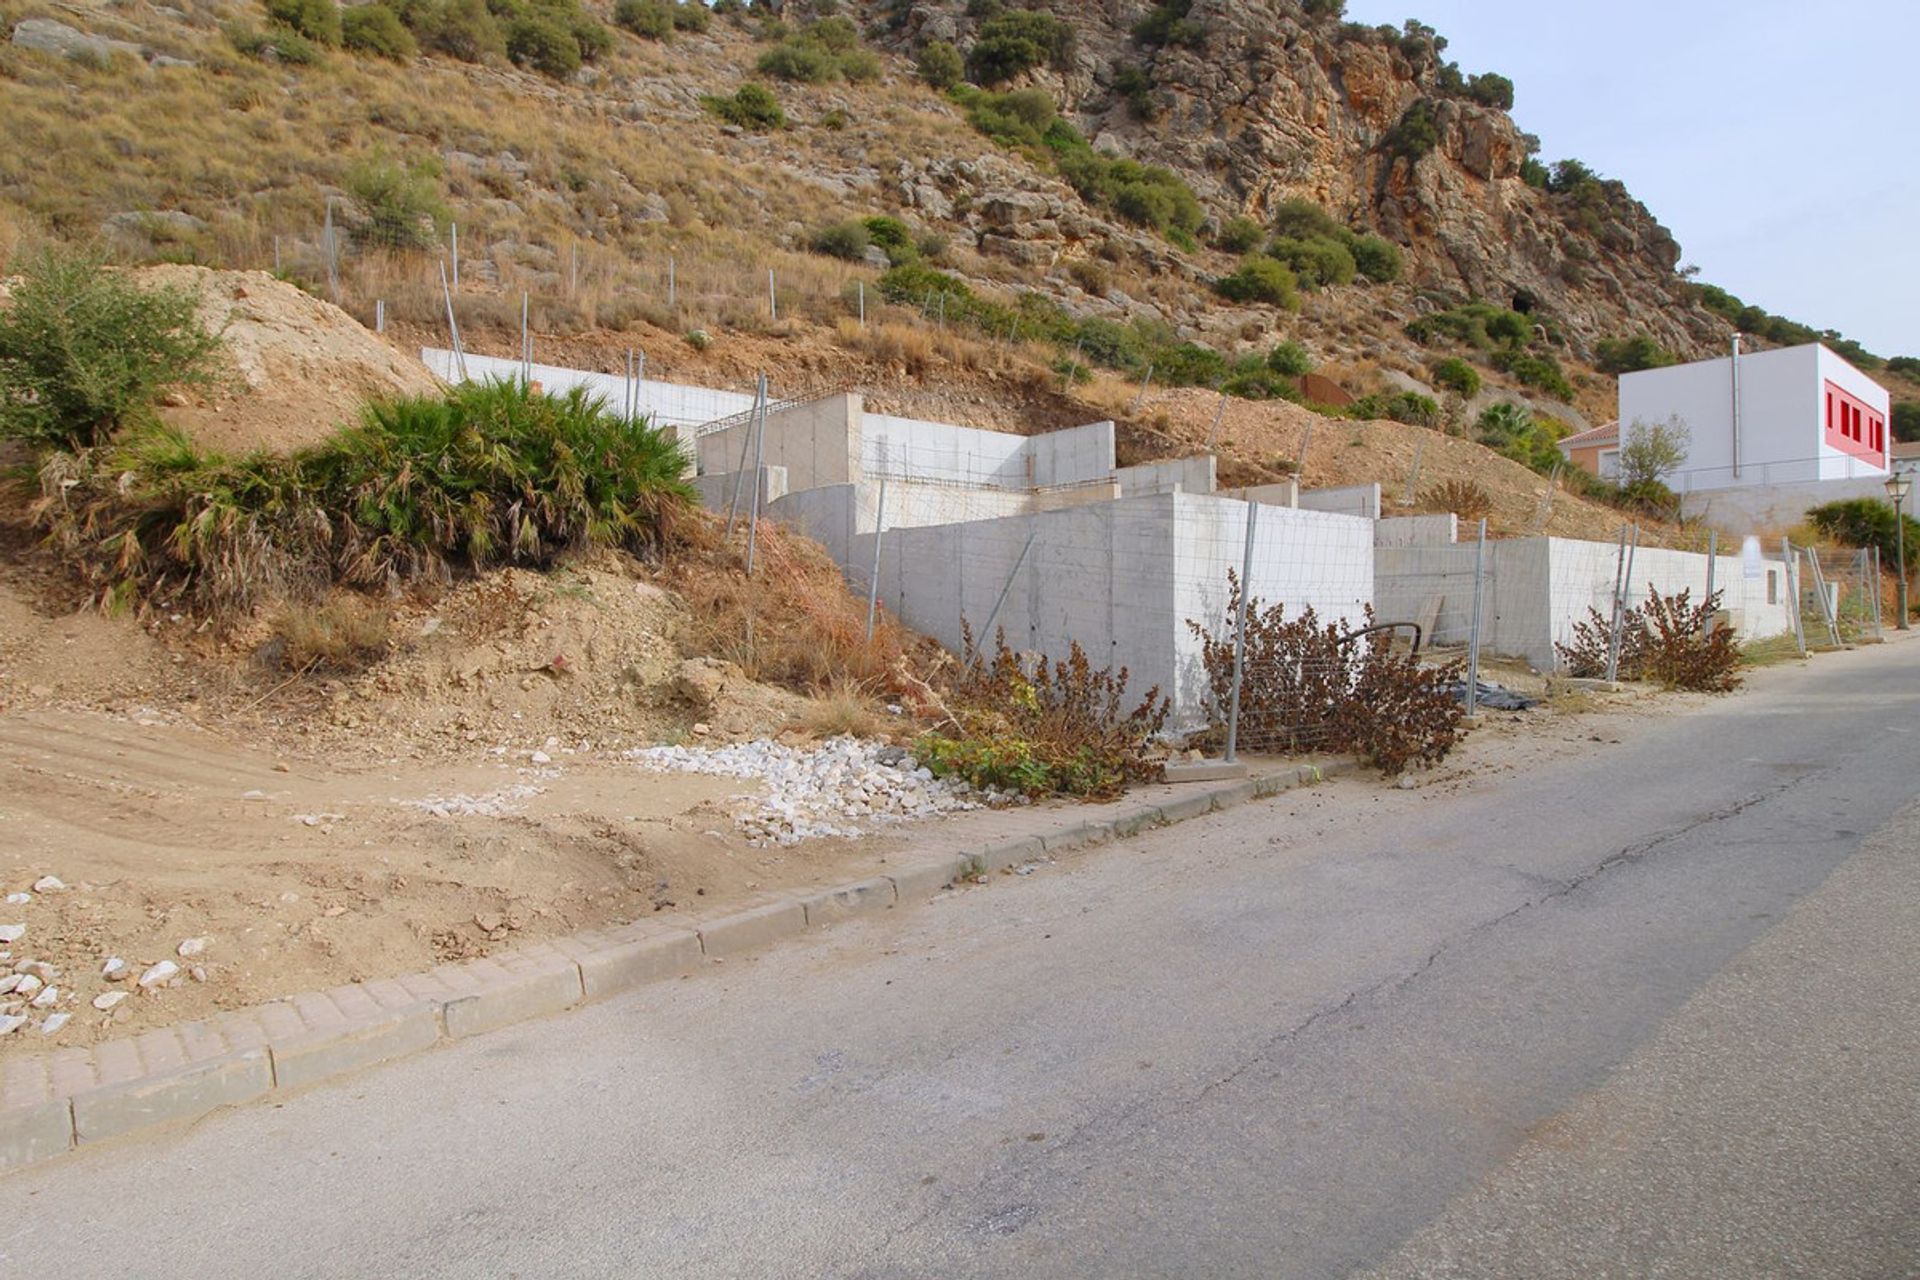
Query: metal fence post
x,y
379,315
759,456
1240,636
1473,636
1413,476
1145,383
1613,628
1007,586
879,532
333,264
1219,413
746,441
671,290
453,326
773,298
863,304
1713,560
526,342
1879,624
454,228
1826,604
1300,463
1790,567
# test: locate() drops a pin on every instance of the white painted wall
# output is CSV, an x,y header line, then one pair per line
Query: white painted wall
x,y
1782,420
1348,499
665,402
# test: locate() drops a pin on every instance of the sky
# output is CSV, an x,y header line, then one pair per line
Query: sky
x,y
1774,139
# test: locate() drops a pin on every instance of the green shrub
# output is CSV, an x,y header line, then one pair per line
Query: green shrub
x,y
894,237
1490,90
1455,374
1016,41
399,207
1037,728
1868,522
282,44
1375,258
1240,235
317,20
483,475
823,52
1480,325
1409,407
649,19
1135,86
692,15
542,41
462,29
1906,421
1628,355
1169,24
376,29
800,61
1290,359
1260,279
752,106
1533,173
1302,219
847,240
85,352
1416,133
1539,371
1319,261
1512,430
940,65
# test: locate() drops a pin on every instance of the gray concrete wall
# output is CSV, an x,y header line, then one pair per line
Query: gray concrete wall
x,y
817,442
1175,475
1416,531
1771,509
1584,574
717,491
1282,493
1076,455
1346,500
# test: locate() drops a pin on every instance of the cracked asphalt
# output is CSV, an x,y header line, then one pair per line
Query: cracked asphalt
x,y
1654,1010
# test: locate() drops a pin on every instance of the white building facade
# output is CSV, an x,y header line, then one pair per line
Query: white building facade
x,y
1792,416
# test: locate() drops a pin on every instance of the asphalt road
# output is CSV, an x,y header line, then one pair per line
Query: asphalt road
x,y
1654,1011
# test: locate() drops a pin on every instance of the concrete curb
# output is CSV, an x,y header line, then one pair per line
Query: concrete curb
x,y
54,1103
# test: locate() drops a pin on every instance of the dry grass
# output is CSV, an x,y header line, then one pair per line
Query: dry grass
x,y
844,709
340,636
795,623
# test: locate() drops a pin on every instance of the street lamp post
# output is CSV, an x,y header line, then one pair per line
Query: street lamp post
x,y
1898,486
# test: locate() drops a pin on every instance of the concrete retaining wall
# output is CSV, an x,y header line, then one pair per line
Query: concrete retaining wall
x,y
1176,475
1535,590
1122,578
1772,509
817,441
717,491
1346,500
1416,531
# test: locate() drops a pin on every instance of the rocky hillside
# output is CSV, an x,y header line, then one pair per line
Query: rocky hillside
x,y
627,191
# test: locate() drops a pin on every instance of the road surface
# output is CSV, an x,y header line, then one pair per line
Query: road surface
x,y
1654,1010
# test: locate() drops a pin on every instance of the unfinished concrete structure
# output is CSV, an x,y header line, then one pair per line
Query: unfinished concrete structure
x,y
1533,590
1044,536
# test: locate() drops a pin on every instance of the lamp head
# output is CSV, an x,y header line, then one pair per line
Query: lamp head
x,y
1899,485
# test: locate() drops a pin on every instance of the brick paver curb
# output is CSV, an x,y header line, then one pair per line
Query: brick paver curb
x,y
54,1102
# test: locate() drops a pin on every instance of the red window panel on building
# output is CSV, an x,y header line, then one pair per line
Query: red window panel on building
x,y
1853,427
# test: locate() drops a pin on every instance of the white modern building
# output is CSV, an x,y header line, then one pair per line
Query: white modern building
x,y
1770,433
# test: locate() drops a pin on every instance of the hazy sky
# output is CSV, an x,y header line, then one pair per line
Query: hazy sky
x,y
1774,138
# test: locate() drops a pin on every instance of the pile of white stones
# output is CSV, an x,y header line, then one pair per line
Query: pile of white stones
x,y
829,790
492,804
35,992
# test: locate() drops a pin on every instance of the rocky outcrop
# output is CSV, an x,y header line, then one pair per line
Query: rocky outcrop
x,y
1269,105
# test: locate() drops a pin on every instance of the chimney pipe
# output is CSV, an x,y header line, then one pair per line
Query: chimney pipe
x,y
1736,406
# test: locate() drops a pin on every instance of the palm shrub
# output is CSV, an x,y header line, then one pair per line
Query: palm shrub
x,y
85,352
486,474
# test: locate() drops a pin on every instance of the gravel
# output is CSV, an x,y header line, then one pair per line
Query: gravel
x,y
844,787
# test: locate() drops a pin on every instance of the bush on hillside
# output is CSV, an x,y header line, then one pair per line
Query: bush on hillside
x,y
85,352
1906,421
1409,407
1016,41
848,240
483,475
1627,355
1416,133
282,44
648,19
1134,85
940,65
1260,279
1455,374
399,207
1537,370
1321,260
1868,522
820,53
1479,325
1168,23
1240,235
1490,90
1290,359
317,20
463,29
542,41
376,29
1377,258
752,107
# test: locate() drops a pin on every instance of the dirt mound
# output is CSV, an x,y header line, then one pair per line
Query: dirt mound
x,y
302,366
590,652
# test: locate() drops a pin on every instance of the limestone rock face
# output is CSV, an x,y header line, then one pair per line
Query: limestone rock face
x,y
1268,105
